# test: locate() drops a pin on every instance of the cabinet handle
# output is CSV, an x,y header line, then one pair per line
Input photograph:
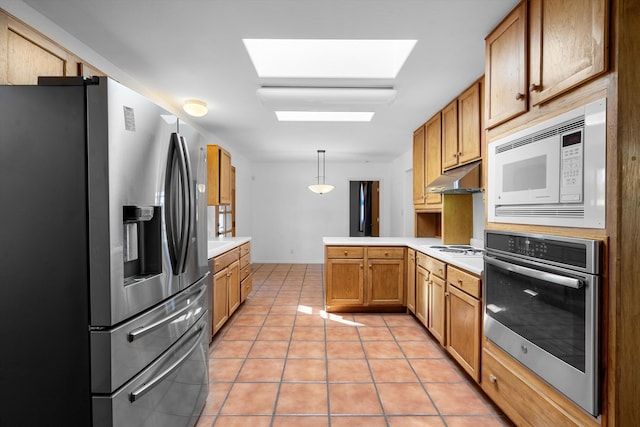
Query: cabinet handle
x,y
459,282
535,87
346,253
493,379
386,253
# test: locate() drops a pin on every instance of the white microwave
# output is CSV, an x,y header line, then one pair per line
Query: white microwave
x,y
552,173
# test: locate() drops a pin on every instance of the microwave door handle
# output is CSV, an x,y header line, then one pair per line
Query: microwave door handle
x,y
569,282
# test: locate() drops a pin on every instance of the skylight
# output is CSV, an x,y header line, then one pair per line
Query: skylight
x,y
324,116
319,58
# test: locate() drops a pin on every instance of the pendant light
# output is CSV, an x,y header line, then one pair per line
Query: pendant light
x,y
318,187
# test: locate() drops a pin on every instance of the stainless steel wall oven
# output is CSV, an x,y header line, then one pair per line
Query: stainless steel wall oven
x,y
541,307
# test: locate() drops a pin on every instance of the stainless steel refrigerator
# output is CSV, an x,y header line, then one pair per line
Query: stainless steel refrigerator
x,y
103,262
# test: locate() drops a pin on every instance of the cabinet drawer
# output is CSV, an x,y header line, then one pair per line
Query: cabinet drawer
x,y
436,267
421,260
464,281
244,261
244,272
246,286
225,259
385,252
345,252
522,402
245,249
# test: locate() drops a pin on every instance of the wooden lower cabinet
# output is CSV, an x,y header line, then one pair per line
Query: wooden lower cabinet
x,y
344,282
246,278
385,282
349,284
219,312
226,291
422,293
436,308
411,280
464,314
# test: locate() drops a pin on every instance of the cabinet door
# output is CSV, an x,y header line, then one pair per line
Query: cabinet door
x,y
30,55
411,281
463,330
433,147
568,45
506,67
450,135
220,312
469,125
422,294
345,282
385,282
225,177
218,176
418,166
436,311
233,286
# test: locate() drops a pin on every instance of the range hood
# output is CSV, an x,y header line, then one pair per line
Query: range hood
x,y
461,180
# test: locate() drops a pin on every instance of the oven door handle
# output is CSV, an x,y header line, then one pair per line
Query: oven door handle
x,y
569,282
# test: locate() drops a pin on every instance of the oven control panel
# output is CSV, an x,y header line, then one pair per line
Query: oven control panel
x,y
559,250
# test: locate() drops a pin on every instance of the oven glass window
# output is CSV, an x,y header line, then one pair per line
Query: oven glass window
x,y
549,315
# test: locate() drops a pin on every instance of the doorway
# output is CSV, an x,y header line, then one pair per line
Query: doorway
x,y
364,208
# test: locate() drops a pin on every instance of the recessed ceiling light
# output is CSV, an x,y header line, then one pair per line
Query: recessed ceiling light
x,y
321,58
324,116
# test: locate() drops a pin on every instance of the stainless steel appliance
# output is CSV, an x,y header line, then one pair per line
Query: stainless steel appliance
x,y
552,173
104,258
541,307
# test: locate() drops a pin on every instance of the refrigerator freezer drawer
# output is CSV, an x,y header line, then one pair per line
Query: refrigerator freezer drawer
x,y
171,392
119,354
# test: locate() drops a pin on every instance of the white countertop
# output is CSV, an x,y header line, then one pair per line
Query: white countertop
x,y
221,245
473,264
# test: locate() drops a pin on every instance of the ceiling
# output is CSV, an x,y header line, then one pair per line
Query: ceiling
x,y
185,49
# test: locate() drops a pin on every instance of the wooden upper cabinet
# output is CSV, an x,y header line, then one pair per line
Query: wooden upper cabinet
x,y
433,150
462,128
30,55
470,124
218,176
567,43
450,135
418,166
506,68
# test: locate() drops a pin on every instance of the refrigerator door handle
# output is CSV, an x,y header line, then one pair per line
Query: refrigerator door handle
x,y
149,385
188,202
177,206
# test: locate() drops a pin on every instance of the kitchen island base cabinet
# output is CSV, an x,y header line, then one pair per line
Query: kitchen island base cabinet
x,y
350,286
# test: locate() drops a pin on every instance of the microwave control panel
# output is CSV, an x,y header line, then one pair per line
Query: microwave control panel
x,y
571,167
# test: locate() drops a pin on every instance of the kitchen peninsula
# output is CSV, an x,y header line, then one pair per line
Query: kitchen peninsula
x,y
440,284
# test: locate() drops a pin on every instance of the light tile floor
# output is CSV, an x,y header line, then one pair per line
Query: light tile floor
x,y
281,361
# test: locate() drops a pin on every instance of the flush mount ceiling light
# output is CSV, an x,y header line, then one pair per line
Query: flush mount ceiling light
x,y
195,107
324,116
323,58
318,187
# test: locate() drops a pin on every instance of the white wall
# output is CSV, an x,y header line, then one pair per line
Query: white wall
x,y
289,221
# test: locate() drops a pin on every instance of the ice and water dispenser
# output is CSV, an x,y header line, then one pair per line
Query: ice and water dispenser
x,y
142,242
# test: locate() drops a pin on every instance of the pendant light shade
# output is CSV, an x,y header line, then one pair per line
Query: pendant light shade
x,y
321,187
